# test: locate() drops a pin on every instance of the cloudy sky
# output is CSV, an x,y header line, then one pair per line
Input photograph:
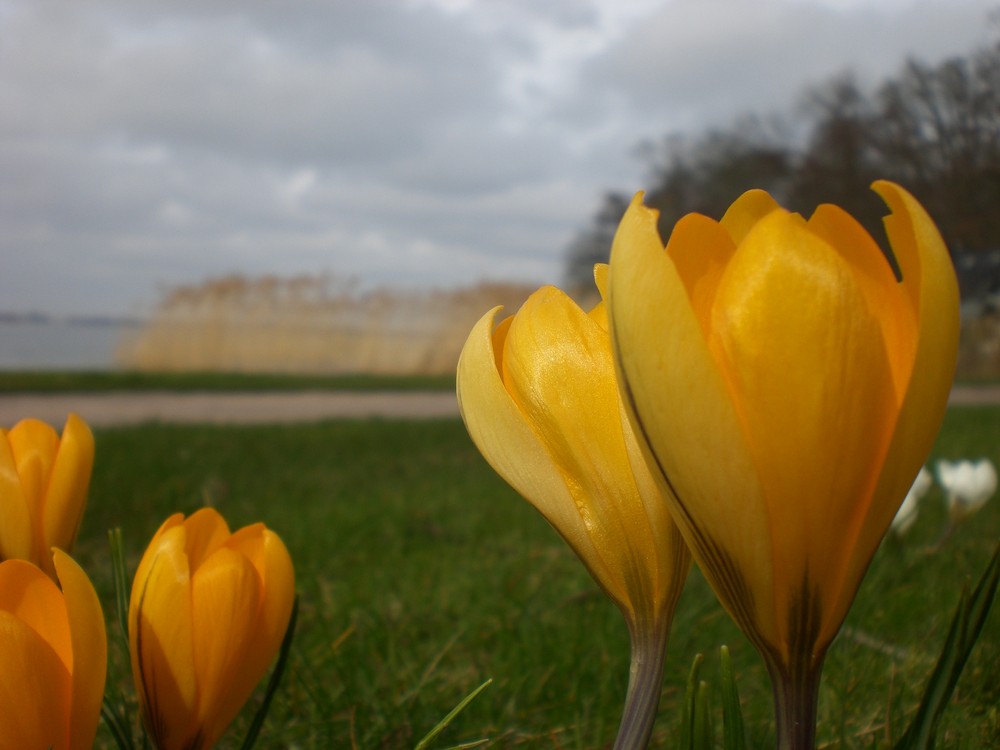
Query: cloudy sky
x,y
148,143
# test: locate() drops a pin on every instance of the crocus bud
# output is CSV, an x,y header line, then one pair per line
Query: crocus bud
x,y
967,486
906,516
539,397
787,380
53,649
207,615
43,488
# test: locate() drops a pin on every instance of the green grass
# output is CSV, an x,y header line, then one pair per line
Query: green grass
x,y
44,381
60,381
421,574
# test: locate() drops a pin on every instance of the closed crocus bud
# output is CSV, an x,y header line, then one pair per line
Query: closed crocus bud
x,y
539,398
787,386
207,616
967,486
43,488
53,652
906,516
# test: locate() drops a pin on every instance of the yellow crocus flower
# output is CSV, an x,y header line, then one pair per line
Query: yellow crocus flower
x,y
207,615
539,398
53,650
43,488
787,387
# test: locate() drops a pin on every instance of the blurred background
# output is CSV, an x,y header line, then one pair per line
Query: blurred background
x,y
347,186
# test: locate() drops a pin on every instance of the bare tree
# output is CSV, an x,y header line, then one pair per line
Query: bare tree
x,y
593,245
935,129
839,160
938,131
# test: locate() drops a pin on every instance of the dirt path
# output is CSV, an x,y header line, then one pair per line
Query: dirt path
x,y
125,408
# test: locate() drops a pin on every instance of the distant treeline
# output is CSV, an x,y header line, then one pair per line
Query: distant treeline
x,y
933,129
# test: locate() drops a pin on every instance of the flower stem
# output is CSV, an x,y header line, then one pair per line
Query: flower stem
x,y
796,689
649,643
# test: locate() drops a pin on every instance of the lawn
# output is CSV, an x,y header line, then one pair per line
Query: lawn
x,y
29,381
421,575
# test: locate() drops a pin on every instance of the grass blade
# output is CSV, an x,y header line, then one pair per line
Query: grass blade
x,y
272,684
443,724
118,725
733,735
970,616
121,581
690,698
702,734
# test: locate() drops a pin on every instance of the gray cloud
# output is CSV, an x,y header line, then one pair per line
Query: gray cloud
x,y
146,143
702,60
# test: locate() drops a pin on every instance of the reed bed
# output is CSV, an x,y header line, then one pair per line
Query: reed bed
x,y
311,325
323,325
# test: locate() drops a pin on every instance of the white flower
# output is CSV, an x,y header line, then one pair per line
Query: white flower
x,y
907,512
967,485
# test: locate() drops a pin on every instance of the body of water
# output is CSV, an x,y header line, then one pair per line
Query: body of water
x,y
60,345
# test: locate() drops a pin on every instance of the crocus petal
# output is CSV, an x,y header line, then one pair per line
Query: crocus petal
x,y
16,537
66,494
499,430
31,596
986,481
673,558
929,281
33,676
922,483
886,299
33,445
930,284
700,250
206,531
226,593
945,472
90,650
670,380
745,212
788,297
906,516
161,640
602,278
574,408
37,657
968,485
269,556
599,312
43,488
